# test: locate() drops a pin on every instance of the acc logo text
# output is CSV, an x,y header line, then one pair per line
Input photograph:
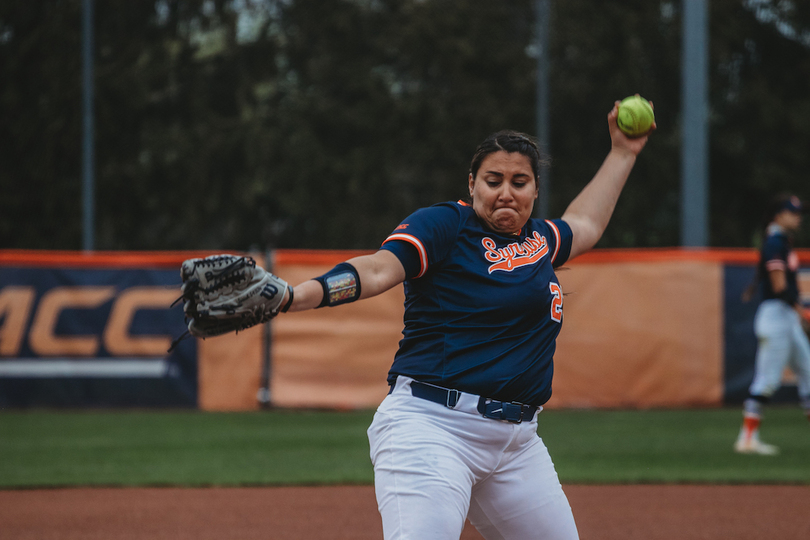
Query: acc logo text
x,y
17,304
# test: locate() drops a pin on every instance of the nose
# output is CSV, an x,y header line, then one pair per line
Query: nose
x,y
505,193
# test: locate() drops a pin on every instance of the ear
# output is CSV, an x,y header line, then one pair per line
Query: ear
x,y
471,184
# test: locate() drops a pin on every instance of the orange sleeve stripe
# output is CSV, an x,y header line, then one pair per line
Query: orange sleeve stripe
x,y
556,238
423,260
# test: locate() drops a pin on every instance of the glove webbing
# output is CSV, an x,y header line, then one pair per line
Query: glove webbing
x,y
230,273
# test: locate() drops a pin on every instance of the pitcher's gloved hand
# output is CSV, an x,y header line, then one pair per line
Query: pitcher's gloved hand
x,y
229,293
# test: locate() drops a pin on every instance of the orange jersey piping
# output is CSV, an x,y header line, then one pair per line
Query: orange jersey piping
x,y
423,260
556,240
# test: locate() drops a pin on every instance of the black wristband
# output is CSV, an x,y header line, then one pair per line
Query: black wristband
x,y
341,285
289,301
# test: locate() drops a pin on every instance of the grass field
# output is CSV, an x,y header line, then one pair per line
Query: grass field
x,y
189,448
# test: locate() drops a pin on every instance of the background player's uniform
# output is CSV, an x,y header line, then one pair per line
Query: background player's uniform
x,y
482,313
781,337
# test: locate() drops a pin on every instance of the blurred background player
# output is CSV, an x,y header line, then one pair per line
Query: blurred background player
x,y
779,323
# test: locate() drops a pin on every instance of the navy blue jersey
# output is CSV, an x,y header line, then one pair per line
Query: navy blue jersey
x,y
482,309
777,254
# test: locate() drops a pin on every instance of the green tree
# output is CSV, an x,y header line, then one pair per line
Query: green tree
x,y
600,54
760,117
387,121
40,143
231,124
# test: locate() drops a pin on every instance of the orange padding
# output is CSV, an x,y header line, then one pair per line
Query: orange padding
x,y
640,334
641,328
635,334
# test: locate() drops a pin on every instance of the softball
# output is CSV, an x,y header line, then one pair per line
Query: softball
x,y
635,116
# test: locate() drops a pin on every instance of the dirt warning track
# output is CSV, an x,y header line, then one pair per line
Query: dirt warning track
x,y
627,512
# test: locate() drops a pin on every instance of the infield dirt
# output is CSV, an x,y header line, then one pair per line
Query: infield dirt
x,y
626,512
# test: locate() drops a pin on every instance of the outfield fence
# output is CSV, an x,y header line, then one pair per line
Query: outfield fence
x,y
642,328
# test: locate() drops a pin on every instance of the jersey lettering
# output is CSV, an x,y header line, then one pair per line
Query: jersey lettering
x,y
516,254
556,302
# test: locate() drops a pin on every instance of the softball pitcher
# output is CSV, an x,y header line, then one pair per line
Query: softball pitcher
x,y
456,437
778,323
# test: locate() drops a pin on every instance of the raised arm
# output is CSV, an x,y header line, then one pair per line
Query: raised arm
x,y
377,273
589,213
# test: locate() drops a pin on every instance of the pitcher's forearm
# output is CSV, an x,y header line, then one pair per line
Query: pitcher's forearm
x,y
376,274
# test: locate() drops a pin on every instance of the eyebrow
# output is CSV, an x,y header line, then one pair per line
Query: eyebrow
x,y
500,174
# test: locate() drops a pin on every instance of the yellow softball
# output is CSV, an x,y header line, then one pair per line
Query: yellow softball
x,y
636,116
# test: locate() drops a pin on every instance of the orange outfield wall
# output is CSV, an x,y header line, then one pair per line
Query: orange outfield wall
x,y
641,328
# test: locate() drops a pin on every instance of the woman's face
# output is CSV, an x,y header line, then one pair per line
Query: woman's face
x,y
503,191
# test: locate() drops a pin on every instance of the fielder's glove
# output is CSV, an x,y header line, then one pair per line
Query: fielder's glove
x,y
227,293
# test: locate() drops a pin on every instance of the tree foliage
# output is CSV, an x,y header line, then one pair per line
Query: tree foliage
x,y
323,123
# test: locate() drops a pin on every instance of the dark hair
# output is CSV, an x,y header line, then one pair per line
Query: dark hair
x,y
509,141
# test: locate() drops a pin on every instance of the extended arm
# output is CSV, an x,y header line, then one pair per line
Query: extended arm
x,y
377,272
589,213
230,293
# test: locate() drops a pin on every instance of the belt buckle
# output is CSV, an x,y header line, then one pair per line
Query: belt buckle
x,y
503,410
519,408
522,407
452,398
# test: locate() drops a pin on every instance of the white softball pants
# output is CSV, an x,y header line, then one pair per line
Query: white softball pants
x,y
435,466
782,343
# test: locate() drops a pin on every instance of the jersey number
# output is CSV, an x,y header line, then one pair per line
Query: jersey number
x,y
556,302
